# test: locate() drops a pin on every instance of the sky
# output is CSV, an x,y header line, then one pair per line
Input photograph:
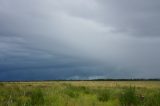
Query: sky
x,y
79,39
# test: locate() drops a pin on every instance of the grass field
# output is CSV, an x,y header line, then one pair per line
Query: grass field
x,y
80,93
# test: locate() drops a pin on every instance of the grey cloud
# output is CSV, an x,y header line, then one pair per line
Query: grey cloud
x,y
79,39
138,18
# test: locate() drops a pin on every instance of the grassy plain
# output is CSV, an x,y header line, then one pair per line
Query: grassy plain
x,y
80,93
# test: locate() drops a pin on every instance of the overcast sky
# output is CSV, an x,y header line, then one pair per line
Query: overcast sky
x,y
79,39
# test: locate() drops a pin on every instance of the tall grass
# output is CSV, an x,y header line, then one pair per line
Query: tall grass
x,y
129,97
104,95
153,99
37,97
68,94
1,84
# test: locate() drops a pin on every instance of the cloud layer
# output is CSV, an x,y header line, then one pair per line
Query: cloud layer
x,y
41,40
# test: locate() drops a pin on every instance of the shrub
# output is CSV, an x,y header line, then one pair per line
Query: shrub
x,y
37,97
83,89
23,101
1,84
128,97
72,94
103,95
74,91
152,100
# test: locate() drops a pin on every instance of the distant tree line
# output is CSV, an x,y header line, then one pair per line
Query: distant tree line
x,y
152,79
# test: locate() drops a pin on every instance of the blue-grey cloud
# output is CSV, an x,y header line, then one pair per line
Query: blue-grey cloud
x,y
79,39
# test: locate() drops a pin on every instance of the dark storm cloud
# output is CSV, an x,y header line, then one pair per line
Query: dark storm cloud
x,y
79,39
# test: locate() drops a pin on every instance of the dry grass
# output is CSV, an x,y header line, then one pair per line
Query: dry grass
x,y
77,93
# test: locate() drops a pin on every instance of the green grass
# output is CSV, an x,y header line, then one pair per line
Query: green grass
x,y
104,95
129,97
80,93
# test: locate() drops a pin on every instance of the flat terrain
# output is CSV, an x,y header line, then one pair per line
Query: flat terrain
x,y
80,93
